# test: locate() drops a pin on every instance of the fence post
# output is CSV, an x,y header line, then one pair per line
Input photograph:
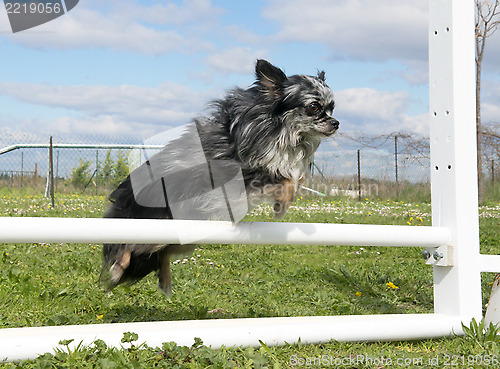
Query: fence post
x,y
22,168
359,176
51,171
96,171
493,171
56,180
49,186
396,158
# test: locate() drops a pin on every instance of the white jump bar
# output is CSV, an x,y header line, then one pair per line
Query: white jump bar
x,y
154,231
28,343
489,263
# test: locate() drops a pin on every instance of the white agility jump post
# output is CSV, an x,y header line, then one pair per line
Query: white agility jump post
x,y
452,242
457,289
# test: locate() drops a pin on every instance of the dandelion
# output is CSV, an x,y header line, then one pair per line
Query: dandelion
x,y
358,294
391,285
99,317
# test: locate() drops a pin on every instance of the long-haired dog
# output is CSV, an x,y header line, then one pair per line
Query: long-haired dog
x,y
267,134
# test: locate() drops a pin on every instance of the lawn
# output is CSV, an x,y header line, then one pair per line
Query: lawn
x,y
56,284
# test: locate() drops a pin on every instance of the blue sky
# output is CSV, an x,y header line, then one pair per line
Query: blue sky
x,y
132,68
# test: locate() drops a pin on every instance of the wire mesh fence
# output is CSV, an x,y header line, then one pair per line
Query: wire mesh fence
x,y
389,166
89,163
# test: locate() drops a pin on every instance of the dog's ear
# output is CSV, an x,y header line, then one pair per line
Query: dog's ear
x,y
321,76
269,77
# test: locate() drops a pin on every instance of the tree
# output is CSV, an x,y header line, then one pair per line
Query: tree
x,y
111,173
121,168
487,22
81,175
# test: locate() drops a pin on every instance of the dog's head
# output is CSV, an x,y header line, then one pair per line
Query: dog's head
x,y
304,102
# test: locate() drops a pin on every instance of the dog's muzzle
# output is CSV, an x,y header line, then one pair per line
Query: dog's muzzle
x,y
330,127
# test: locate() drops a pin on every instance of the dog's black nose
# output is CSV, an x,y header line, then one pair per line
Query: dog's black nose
x,y
335,123
333,126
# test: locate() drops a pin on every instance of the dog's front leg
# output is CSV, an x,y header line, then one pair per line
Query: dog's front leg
x,y
164,273
285,195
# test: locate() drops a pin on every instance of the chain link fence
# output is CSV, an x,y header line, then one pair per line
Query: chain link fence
x,y
386,166
90,164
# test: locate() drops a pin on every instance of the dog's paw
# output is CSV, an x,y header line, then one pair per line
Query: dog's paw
x,y
118,268
280,208
115,273
166,289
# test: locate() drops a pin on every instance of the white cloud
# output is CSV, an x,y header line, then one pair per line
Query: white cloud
x,y
127,26
239,60
490,101
372,104
376,112
417,72
169,103
120,109
102,125
491,58
366,30
417,123
490,112
191,11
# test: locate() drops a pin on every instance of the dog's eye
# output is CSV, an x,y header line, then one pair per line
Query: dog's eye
x,y
313,108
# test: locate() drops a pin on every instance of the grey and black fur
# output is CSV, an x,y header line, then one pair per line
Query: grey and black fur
x,y
271,130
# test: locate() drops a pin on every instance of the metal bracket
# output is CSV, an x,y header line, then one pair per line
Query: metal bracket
x,y
439,256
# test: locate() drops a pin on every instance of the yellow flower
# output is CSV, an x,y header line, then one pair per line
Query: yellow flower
x,y
99,317
358,294
392,285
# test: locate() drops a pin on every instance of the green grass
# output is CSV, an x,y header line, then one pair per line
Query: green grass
x,y
56,284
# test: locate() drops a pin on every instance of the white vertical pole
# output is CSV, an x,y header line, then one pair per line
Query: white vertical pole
x,y
457,288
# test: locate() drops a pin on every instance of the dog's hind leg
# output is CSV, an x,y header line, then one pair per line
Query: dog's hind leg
x,y
164,273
